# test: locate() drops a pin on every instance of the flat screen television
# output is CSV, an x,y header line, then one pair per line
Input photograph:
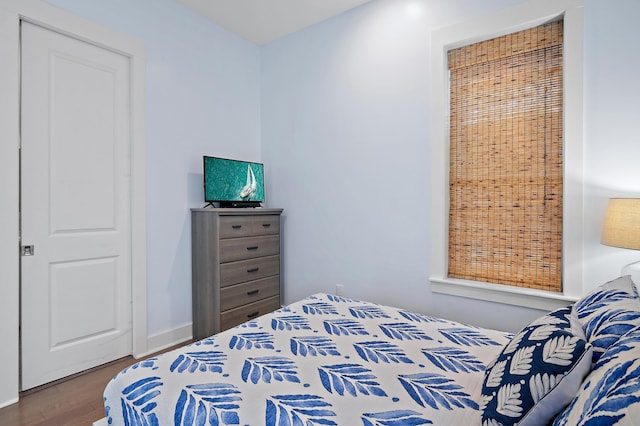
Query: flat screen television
x,y
233,183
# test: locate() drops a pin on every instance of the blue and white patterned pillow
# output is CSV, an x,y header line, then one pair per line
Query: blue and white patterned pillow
x,y
608,312
538,373
611,392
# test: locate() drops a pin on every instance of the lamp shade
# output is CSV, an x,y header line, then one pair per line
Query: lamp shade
x,y
622,223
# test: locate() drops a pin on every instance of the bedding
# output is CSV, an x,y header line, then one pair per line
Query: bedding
x,y
329,360
608,313
325,360
611,392
538,373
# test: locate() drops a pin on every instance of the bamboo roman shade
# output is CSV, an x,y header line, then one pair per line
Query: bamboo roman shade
x,y
506,159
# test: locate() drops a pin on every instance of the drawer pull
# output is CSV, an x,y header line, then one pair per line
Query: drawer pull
x,y
252,270
236,226
266,225
253,314
253,292
252,248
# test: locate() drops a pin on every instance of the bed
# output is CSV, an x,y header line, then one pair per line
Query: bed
x,y
330,360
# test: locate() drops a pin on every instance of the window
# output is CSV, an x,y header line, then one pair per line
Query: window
x,y
506,159
495,25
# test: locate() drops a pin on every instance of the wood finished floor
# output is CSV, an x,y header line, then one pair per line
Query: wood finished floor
x,y
76,401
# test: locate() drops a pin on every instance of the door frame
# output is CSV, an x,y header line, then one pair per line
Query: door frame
x,y
34,11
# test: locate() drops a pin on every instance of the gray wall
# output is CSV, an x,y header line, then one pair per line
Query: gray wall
x,y
203,97
340,115
346,132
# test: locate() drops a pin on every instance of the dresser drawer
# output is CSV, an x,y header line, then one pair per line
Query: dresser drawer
x,y
248,270
248,312
241,294
248,226
233,249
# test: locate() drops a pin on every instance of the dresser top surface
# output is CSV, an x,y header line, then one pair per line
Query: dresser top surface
x,y
248,211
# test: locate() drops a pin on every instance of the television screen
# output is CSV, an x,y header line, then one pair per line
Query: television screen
x,y
233,182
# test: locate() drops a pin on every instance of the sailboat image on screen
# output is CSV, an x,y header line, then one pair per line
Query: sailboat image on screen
x,y
251,187
233,183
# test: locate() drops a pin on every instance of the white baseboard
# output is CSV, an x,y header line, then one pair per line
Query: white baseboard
x,y
8,402
166,339
156,343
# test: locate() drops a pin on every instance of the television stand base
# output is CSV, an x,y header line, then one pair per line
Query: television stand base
x,y
238,204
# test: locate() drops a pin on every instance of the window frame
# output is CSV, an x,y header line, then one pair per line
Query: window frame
x,y
513,19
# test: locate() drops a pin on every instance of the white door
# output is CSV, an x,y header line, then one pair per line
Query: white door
x,y
75,206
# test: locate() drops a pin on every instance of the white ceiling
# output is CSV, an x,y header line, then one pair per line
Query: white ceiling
x,y
262,21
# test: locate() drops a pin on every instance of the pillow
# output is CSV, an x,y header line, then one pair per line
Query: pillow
x,y
611,392
538,373
608,312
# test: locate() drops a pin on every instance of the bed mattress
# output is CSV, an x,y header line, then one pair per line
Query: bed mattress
x,y
325,360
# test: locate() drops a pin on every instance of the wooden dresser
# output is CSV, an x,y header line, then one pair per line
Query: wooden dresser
x,y
235,255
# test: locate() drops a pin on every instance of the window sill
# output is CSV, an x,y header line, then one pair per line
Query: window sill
x,y
529,298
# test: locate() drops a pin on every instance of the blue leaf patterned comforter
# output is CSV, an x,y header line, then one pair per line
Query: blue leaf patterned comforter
x,y
325,360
